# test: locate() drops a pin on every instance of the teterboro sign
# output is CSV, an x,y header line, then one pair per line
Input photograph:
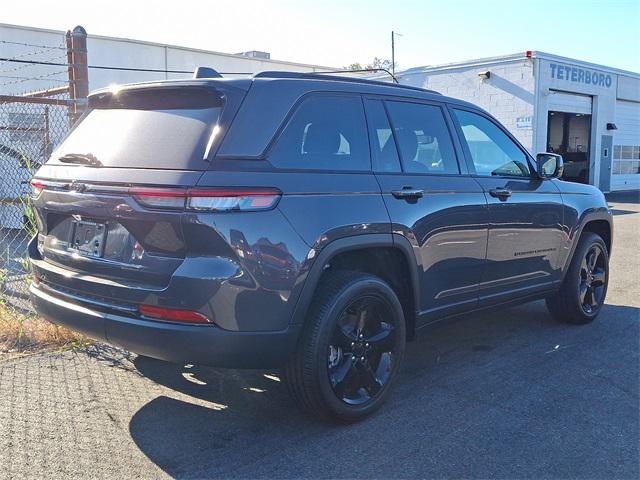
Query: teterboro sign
x,y
580,75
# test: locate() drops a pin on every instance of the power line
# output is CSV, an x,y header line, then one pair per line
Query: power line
x,y
46,77
23,65
105,67
131,69
48,47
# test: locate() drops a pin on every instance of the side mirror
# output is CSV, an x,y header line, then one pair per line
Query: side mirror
x,y
549,165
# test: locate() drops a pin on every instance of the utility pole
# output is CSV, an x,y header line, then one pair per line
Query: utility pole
x,y
393,51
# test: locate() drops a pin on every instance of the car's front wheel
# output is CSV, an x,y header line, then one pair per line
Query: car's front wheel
x,y
351,349
584,288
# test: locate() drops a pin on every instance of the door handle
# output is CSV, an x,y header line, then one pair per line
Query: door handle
x,y
408,192
501,193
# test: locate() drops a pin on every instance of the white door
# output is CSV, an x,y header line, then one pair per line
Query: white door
x,y
626,150
569,102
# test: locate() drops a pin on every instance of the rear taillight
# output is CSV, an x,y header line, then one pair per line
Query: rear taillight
x,y
173,314
160,197
213,200
243,199
224,200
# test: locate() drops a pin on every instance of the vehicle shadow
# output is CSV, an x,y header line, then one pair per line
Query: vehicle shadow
x,y
617,211
232,423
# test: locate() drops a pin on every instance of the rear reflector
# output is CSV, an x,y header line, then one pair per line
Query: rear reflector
x,y
173,314
36,188
214,200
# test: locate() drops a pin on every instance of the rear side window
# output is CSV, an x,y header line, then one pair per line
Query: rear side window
x,y
163,128
325,133
492,151
423,138
385,154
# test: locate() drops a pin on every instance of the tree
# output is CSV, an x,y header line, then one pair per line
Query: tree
x,y
353,66
381,63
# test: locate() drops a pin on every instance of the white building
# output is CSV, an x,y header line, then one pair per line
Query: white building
x,y
589,113
146,60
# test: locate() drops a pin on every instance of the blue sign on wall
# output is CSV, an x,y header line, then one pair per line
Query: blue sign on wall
x,y
524,122
580,75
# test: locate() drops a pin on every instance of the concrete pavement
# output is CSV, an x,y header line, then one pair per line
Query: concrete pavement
x,y
505,394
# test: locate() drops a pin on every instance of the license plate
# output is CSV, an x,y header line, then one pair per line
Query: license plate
x,y
88,238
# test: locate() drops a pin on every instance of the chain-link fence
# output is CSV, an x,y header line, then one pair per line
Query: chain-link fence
x,y
29,130
36,112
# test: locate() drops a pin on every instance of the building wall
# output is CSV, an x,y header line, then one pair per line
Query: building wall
x,y
114,52
556,78
142,55
508,94
520,92
615,98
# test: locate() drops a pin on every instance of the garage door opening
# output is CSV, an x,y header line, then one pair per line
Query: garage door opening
x,y
569,134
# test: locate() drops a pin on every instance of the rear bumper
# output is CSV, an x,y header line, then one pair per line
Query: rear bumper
x,y
194,344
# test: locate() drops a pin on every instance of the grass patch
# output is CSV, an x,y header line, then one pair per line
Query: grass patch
x,y
21,334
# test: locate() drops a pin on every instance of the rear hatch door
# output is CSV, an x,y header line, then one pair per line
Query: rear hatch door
x,y
100,201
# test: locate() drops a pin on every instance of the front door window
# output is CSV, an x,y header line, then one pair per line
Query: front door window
x,y
493,153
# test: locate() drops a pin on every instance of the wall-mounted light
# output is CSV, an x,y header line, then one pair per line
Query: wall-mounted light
x,y
611,126
484,75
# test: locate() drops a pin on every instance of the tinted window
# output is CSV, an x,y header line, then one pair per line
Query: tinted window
x,y
385,154
326,133
423,138
492,151
166,128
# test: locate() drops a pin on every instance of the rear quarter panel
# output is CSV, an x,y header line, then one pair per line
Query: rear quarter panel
x,y
277,249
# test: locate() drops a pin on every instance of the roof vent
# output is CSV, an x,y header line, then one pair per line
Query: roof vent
x,y
205,72
256,54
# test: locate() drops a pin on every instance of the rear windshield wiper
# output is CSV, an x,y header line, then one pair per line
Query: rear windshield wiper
x,y
81,159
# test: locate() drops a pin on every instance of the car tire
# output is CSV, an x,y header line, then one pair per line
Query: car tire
x,y
584,287
351,348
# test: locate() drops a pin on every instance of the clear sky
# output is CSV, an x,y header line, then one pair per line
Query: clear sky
x,y
337,33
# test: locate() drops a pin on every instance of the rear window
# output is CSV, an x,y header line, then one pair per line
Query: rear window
x,y
423,138
164,128
325,133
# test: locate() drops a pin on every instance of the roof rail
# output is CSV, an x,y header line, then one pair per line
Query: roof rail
x,y
328,76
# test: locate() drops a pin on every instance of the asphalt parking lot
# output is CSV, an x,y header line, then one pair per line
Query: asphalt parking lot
x,y
505,394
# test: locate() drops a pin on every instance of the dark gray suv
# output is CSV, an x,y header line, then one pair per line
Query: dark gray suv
x,y
302,221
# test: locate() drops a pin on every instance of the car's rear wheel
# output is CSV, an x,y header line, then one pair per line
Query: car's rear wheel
x,y
584,288
351,349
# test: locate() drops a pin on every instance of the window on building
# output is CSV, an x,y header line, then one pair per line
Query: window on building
x,y
325,133
492,151
626,159
423,138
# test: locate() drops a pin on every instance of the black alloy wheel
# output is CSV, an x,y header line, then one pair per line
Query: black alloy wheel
x,y
362,351
584,288
351,349
593,278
